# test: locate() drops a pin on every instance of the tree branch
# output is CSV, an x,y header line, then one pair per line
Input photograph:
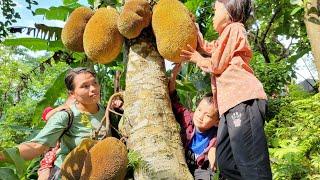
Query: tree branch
x,y
262,44
25,77
285,52
117,87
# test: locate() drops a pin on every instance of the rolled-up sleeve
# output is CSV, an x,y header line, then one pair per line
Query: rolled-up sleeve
x,y
51,132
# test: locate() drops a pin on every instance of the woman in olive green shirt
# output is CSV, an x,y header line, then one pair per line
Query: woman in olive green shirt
x,y
83,87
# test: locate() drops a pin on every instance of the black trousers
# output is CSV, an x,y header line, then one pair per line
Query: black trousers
x,y
242,151
203,174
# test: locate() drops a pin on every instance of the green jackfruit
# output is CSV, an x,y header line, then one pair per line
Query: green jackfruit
x,y
173,28
72,32
101,40
72,165
135,16
108,159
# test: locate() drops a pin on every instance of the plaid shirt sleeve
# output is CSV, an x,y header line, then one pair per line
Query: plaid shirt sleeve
x,y
49,158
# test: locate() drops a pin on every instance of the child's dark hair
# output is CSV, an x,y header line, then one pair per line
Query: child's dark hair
x,y
71,74
239,10
208,97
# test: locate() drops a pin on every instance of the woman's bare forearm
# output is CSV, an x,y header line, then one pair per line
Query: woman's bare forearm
x,y
28,150
31,150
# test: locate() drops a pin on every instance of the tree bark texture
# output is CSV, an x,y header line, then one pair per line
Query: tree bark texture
x,y
149,123
313,31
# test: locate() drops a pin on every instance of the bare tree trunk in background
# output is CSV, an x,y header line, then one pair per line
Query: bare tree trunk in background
x,y
312,22
116,81
149,122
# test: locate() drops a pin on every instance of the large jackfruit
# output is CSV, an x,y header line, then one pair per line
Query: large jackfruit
x,y
173,28
101,40
135,16
72,32
108,159
72,165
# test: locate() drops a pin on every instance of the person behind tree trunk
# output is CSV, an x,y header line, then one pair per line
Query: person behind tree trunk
x,y
83,87
198,131
242,151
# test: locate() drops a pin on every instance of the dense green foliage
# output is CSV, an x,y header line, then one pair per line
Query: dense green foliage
x,y
22,88
274,75
293,134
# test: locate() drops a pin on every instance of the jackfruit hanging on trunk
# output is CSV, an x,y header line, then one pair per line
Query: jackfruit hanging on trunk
x,y
150,125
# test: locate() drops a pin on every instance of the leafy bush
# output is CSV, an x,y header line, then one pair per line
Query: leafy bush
x,y
293,134
15,126
274,76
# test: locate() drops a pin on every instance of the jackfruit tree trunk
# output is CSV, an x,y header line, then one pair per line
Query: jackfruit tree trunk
x,y
149,122
312,22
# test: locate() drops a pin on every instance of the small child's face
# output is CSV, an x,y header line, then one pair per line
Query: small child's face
x,y
221,16
205,116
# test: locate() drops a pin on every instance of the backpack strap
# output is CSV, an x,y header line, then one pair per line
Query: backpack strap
x,y
70,121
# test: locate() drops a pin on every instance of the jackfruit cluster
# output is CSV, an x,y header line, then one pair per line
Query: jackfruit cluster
x,y
101,39
72,33
135,16
173,28
108,159
73,163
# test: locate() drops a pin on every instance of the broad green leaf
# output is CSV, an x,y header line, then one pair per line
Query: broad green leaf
x,y
40,11
186,86
56,90
7,174
193,5
13,156
35,44
55,45
55,13
68,2
30,43
295,10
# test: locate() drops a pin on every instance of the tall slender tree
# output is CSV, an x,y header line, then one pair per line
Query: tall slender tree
x,y
312,21
153,132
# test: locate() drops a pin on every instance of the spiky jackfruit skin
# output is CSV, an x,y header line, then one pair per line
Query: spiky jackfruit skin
x,y
72,32
73,163
135,16
101,39
108,159
173,28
